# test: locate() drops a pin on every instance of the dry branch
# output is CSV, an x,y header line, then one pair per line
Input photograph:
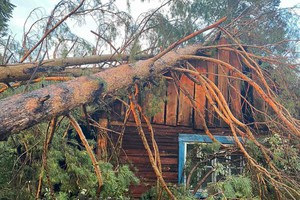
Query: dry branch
x,y
213,93
152,158
44,168
89,151
286,119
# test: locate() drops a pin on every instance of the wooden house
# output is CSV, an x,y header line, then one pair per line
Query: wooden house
x,y
177,123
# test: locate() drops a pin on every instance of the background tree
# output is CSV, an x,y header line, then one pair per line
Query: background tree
x,y
5,15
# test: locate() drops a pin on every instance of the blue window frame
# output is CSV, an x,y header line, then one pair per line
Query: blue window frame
x,y
185,139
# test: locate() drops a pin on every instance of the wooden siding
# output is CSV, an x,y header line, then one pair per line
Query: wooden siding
x,y
135,154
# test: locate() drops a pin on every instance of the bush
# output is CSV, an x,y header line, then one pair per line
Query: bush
x,y
70,169
178,191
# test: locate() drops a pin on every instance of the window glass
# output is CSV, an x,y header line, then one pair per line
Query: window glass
x,y
202,162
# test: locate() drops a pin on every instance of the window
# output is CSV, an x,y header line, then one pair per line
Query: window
x,y
197,170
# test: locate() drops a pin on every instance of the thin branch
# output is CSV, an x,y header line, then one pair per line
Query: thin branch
x,y
49,31
89,151
44,168
134,109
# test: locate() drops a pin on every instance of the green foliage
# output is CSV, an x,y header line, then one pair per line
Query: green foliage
x,y
200,154
7,157
69,167
73,166
116,184
134,50
284,156
178,191
218,171
5,14
166,30
254,152
266,22
271,23
31,87
233,187
153,95
287,88
210,148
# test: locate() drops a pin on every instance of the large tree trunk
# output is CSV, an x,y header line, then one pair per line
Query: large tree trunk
x,y
23,71
21,111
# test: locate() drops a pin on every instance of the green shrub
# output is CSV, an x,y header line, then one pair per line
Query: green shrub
x,y
178,191
70,169
233,187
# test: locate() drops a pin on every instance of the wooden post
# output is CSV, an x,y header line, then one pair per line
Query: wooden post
x,y
102,140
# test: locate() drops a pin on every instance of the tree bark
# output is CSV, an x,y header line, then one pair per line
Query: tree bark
x,y
23,71
21,111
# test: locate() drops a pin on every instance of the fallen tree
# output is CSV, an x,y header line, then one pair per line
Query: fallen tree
x,y
25,110
24,71
22,111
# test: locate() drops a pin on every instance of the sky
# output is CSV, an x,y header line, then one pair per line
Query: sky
x,y
24,7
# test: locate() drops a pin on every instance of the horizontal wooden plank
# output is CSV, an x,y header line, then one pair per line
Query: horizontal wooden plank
x,y
165,129
136,191
139,152
148,168
151,175
135,159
